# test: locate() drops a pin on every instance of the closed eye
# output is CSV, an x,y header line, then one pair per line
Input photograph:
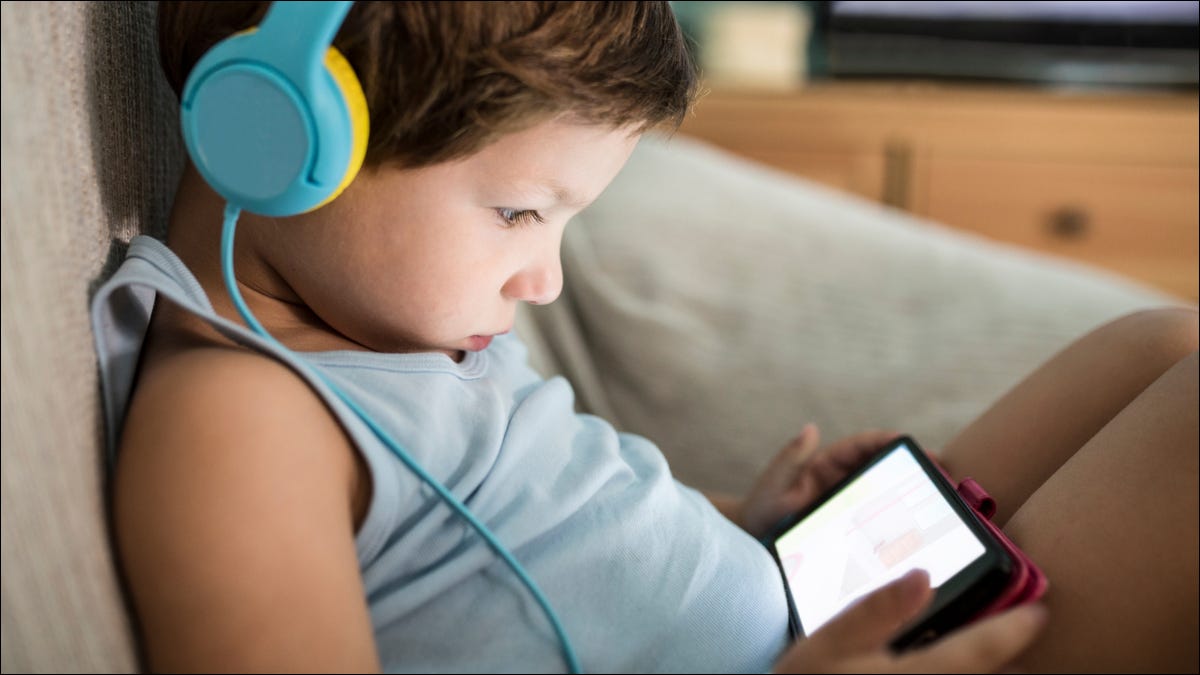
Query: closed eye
x,y
514,217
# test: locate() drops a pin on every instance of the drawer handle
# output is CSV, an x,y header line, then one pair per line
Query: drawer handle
x,y
1069,222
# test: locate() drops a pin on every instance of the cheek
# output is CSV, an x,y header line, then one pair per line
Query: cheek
x,y
422,285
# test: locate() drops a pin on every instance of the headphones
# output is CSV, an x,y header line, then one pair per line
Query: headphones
x,y
275,118
276,122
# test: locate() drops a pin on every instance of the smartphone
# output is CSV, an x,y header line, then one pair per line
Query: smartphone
x,y
896,513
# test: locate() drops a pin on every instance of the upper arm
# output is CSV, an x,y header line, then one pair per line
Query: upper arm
x,y
232,509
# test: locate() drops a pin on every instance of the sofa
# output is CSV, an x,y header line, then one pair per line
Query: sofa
x,y
711,304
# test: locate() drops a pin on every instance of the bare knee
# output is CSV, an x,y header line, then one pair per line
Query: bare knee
x,y
1162,336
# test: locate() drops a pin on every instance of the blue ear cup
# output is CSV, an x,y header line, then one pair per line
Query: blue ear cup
x,y
274,118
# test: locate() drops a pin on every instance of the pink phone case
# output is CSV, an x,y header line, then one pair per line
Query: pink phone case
x,y
1027,583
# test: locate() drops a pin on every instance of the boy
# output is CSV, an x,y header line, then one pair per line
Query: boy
x,y
262,528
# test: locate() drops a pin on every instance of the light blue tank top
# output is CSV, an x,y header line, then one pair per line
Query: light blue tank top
x,y
644,573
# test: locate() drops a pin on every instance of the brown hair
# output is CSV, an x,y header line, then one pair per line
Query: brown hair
x,y
444,79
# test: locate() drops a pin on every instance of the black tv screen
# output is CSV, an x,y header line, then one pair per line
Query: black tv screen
x,y
1105,42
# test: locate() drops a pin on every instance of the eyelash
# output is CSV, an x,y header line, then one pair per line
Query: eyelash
x,y
518,217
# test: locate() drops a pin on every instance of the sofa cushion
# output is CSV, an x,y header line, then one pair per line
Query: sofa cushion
x,y
715,306
90,158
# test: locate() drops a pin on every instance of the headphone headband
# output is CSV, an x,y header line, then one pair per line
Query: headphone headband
x,y
294,36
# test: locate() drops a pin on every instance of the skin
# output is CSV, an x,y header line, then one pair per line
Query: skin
x,y
232,569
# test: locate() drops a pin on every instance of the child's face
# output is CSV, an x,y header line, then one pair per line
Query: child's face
x,y
425,260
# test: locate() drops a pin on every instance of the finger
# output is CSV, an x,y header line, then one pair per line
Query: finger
x,y
848,454
837,462
862,445
824,469
783,467
869,623
983,647
799,448
810,436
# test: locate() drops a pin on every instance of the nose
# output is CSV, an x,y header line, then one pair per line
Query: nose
x,y
538,282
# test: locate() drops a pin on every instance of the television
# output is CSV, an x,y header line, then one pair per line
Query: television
x,y
1101,43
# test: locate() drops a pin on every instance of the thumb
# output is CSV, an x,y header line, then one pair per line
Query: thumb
x,y
872,621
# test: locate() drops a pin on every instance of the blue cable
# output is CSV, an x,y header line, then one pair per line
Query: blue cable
x,y
227,231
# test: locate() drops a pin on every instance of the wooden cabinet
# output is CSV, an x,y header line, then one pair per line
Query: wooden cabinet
x,y
1106,178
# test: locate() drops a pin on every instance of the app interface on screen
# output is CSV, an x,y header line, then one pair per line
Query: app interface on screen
x,y
890,520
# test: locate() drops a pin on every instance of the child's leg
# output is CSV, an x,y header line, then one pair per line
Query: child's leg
x,y
1018,443
1097,455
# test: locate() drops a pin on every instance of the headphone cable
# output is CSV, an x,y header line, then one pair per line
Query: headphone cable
x,y
227,237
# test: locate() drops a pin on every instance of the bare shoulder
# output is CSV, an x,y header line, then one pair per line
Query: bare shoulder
x,y
198,394
234,509
236,416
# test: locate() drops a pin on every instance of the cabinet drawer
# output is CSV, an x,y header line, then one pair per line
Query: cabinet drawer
x,y
1140,221
859,173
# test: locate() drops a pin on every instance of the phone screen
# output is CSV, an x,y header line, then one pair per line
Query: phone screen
x,y
891,519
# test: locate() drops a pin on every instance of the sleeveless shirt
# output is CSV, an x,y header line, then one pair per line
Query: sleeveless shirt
x,y
645,574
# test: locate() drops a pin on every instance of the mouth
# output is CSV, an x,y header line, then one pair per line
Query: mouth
x,y
477,343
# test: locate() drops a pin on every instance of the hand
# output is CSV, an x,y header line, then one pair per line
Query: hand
x,y
856,641
800,473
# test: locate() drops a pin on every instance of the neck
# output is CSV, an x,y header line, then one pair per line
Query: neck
x,y
194,235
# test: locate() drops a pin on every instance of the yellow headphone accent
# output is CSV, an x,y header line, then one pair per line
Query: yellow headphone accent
x,y
360,121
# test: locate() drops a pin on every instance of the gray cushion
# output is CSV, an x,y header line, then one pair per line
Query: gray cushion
x,y
89,159
715,306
